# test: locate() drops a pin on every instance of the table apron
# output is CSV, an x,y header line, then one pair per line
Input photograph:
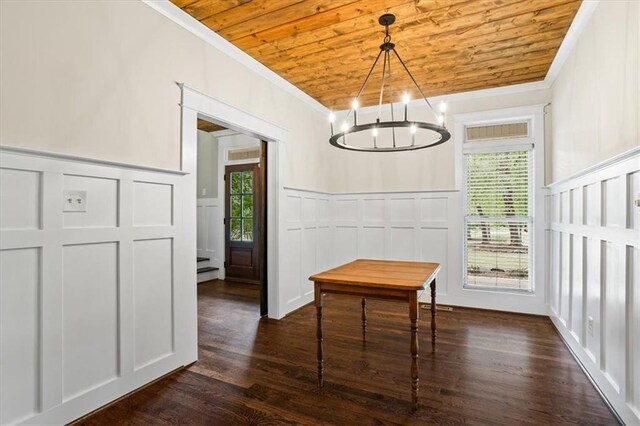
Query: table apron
x,y
368,292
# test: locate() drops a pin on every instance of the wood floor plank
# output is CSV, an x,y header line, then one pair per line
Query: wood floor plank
x,y
490,368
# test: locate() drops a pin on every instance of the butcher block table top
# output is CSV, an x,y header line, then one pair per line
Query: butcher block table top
x,y
382,274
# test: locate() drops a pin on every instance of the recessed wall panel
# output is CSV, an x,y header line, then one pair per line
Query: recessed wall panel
x,y
592,257
635,325
634,194
323,210
402,243
577,207
346,210
593,209
577,287
292,272
102,202
372,242
19,331
152,300
152,204
434,247
346,244
90,317
565,284
554,297
308,209
293,207
434,209
20,193
614,319
373,209
566,207
401,209
324,249
614,202
309,239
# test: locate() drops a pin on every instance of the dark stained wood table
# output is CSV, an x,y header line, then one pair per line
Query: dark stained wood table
x,y
380,279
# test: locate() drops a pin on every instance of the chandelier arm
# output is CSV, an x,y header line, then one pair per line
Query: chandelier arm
x,y
393,129
368,75
414,82
384,70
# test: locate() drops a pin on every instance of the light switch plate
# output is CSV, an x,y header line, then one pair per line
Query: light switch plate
x,y
74,201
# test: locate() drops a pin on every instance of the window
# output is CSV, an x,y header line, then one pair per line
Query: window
x,y
498,220
241,206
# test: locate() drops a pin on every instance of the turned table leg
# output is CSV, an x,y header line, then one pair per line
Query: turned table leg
x,y
413,316
433,315
364,318
318,304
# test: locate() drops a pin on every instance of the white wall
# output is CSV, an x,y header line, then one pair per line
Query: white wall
x,y
207,165
92,304
594,264
596,97
98,80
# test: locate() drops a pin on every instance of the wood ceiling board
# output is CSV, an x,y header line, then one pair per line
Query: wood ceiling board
x,y
326,47
208,127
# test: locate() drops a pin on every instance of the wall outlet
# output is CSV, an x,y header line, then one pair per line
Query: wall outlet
x,y
74,201
590,326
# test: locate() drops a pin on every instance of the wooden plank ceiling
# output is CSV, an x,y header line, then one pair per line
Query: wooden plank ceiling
x,y
207,126
326,47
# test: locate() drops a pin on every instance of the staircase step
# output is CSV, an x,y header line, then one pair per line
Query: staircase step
x,y
202,259
207,269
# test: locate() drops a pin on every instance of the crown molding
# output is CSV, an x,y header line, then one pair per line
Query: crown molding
x,y
178,16
188,22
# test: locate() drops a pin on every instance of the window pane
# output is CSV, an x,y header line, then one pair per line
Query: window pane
x,y
236,206
247,206
236,230
498,254
247,182
498,184
247,230
236,182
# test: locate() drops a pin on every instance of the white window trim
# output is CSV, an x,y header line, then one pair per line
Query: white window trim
x,y
536,302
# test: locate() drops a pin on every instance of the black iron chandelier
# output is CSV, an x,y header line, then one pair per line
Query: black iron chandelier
x,y
340,139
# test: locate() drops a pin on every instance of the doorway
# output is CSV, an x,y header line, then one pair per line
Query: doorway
x,y
246,225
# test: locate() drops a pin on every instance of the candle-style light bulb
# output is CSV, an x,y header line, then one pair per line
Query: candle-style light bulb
x,y
375,137
332,117
375,131
355,105
413,129
345,126
443,107
441,119
406,98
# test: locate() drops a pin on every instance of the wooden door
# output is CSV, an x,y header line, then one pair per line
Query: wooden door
x,y
243,222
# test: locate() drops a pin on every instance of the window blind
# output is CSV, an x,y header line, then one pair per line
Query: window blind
x,y
498,222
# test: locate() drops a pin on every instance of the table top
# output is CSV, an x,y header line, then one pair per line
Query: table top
x,y
398,275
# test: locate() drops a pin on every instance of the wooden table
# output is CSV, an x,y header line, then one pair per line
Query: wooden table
x,y
380,279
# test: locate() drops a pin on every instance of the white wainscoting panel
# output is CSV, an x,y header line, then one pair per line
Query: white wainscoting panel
x,y
305,245
90,306
594,280
210,232
90,317
19,330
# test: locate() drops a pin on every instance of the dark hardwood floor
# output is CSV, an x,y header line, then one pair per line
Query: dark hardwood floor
x,y
490,368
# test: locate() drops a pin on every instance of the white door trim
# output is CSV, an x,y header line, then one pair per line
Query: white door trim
x,y
195,103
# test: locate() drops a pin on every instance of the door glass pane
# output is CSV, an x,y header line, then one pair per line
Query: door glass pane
x,y
236,182
247,182
247,206
247,230
236,206
236,230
